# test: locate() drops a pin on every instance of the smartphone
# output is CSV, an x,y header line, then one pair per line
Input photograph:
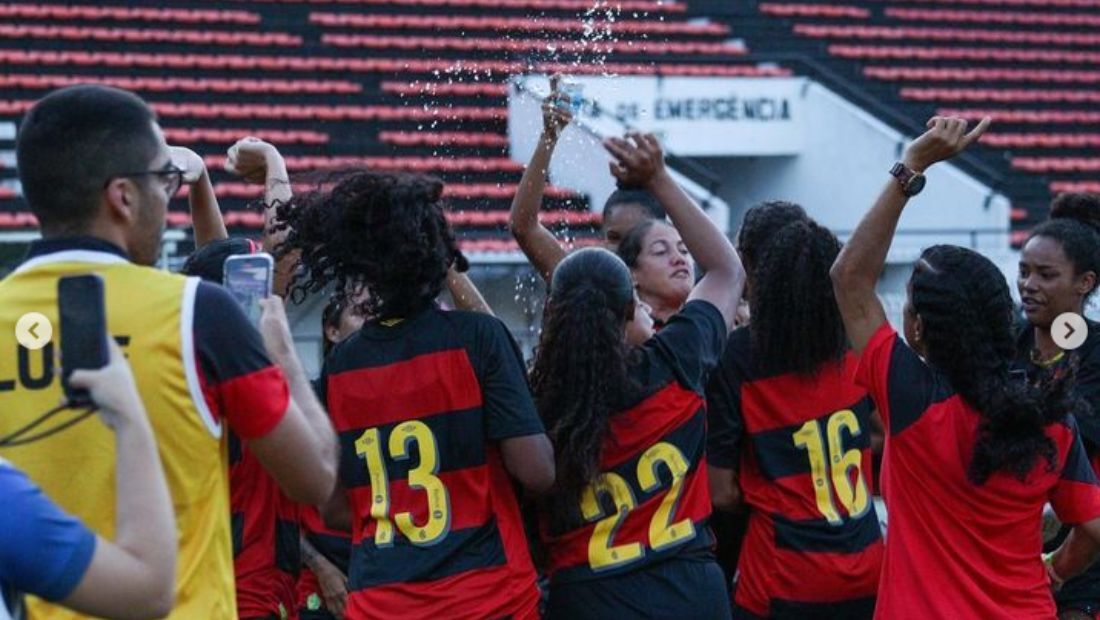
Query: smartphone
x,y
83,331
248,278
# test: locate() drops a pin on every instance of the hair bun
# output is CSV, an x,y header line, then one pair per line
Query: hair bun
x,y
1084,208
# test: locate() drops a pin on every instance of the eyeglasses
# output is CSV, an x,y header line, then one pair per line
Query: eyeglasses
x,y
172,175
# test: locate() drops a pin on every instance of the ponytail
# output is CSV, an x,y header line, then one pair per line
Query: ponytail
x,y
966,313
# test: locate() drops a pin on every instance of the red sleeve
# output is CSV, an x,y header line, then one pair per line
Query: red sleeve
x,y
901,384
1076,496
239,381
873,370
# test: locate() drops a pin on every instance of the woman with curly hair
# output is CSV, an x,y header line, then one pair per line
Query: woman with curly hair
x,y
1059,267
973,453
432,409
626,524
785,413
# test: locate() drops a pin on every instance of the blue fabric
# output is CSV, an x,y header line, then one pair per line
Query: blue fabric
x,y
43,551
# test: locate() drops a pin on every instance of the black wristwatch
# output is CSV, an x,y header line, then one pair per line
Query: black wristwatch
x,y
911,181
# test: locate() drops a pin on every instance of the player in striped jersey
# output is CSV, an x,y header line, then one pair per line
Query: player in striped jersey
x,y
813,548
626,526
432,409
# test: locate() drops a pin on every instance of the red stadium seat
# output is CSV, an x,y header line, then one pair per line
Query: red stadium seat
x,y
814,10
431,138
122,13
151,35
469,44
515,24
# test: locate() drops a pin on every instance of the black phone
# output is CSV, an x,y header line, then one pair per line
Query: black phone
x,y
83,330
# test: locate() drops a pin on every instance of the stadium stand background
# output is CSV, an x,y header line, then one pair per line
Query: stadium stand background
x,y
421,85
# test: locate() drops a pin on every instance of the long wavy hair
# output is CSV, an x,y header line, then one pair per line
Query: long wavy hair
x,y
385,231
965,309
796,325
580,377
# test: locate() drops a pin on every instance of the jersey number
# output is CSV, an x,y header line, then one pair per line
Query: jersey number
x,y
422,477
835,464
603,553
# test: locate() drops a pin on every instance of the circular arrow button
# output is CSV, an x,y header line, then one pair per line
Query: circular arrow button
x,y
33,331
1069,330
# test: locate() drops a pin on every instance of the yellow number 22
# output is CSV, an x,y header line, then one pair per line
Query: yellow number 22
x,y
603,554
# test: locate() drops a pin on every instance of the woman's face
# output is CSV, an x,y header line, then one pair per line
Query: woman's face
x,y
1047,283
665,273
620,221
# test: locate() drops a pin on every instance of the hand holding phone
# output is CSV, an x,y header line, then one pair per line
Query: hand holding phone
x,y
83,334
248,278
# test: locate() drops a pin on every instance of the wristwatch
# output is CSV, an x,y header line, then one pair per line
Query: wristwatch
x,y
911,181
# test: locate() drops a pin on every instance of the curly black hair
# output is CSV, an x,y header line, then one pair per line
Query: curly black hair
x,y
580,370
761,223
965,309
385,231
796,325
1075,224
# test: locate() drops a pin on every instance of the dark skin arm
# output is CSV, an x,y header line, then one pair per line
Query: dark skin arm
x,y
857,269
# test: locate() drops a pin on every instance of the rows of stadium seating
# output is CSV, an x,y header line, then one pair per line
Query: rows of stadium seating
x,y
391,84
1033,65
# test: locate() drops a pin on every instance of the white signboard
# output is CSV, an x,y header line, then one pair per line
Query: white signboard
x,y
695,116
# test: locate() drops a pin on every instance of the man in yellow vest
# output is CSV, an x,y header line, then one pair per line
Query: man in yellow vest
x,y
98,175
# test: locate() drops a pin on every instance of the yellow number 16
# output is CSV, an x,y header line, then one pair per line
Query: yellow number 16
x,y
836,464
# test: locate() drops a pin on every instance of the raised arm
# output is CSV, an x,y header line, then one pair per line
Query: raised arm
x,y
465,293
133,576
258,162
639,161
206,214
860,263
538,243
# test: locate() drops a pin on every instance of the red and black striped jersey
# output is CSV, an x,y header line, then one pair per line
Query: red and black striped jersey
x,y
651,501
420,406
266,552
802,445
958,549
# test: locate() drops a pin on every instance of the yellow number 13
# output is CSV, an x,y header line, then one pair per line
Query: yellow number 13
x,y
422,477
836,464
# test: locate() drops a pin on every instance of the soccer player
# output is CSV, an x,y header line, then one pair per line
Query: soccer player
x,y
1059,267
624,209
813,547
972,453
626,525
48,553
98,176
432,408
661,266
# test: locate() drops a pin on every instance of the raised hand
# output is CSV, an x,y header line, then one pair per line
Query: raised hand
x,y
188,161
556,114
250,158
638,159
946,137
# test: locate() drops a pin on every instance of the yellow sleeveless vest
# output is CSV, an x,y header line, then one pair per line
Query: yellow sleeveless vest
x,y
150,312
